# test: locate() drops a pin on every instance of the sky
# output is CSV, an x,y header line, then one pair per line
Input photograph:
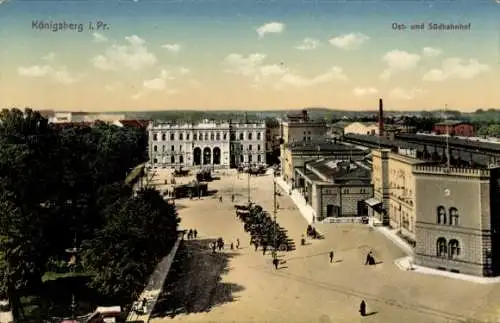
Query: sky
x,y
248,54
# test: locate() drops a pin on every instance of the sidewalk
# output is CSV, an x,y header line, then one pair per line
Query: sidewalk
x,y
299,201
154,286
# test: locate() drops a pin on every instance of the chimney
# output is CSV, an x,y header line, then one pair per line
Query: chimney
x,y
380,117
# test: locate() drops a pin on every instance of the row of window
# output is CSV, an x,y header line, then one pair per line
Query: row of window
x,y
446,249
250,158
451,218
181,159
172,160
172,148
205,136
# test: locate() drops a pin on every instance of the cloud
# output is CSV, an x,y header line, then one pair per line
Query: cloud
x,y
456,68
404,94
99,38
363,91
399,60
58,75
275,75
309,44
156,85
184,70
49,57
271,28
349,41
173,48
431,51
133,56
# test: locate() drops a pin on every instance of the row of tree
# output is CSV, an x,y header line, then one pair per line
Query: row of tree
x,y
64,188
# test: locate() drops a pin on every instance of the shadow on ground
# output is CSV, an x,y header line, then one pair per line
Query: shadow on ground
x,y
194,282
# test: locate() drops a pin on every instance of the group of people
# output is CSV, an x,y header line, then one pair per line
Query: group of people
x,y
217,245
192,234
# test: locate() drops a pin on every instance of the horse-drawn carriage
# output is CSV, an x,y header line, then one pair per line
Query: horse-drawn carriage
x,y
178,172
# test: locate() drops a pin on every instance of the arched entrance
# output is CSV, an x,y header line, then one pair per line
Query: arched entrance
x,y
216,154
197,156
207,156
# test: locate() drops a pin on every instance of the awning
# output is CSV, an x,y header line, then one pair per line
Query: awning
x,y
371,202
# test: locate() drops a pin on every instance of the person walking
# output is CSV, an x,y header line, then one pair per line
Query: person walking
x,y
331,256
237,243
190,234
195,233
232,246
276,263
362,308
232,198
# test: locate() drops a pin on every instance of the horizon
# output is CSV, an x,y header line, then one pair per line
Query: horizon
x,y
224,56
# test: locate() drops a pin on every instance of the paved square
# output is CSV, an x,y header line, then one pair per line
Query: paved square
x,y
310,289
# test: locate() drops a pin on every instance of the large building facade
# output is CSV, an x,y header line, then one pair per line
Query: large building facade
x,y
216,144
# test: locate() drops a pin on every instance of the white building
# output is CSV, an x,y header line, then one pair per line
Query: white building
x,y
217,144
362,128
64,117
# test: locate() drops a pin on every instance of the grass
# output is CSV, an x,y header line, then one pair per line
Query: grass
x,y
54,276
134,174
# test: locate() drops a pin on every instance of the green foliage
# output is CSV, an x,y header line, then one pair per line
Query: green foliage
x,y
61,187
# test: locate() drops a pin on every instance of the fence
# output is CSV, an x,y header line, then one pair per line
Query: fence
x,y
357,219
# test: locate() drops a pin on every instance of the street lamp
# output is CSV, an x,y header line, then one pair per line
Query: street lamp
x,y
73,253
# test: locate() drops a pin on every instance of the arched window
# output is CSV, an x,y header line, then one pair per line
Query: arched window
x,y
163,136
172,159
241,136
181,159
206,135
217,136
441,247
258,135
453,212
453,248
441,214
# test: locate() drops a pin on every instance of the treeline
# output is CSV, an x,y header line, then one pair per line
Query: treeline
x,y
64,188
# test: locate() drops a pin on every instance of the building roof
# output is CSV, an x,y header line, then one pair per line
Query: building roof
x,y
320,146
340,124
343,171
366,124
451,123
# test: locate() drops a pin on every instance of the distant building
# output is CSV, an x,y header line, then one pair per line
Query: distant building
x,y
337,128
137,124
362,128
454,128
335,188
217,144
273,139
58,117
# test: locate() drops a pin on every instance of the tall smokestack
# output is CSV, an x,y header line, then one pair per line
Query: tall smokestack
x,y
380,117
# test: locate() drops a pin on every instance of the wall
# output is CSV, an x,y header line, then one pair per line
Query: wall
x,y
362,129
468,191
344,197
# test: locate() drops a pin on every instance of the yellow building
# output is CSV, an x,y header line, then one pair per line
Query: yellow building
x,y
394,189
362,128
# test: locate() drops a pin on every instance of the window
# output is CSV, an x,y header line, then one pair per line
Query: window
x,y
200,136
258,147
155,148
206,135
180,147
258,135
181,159
249,136
155,160
155,137
195,136
259,158
241,158
181,136
309,138
163,137
453,249
233,136
304,139
250,147
249,158
441,247
453,216
441,214
163,148
224,136
172,148
172,136
187,136
212,136
241,136
346,191
308,132
172,159
217,136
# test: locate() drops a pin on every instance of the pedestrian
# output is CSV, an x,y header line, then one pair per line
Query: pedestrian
x,y
264,249
362,308
331,256
256,246
144,304
190,234
276,263
232,198
237,243
220,199
195,233
214,246
232,246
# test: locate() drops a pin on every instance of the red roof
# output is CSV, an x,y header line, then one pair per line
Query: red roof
x,y
141,124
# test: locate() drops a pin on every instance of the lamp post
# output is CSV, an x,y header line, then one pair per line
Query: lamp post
x,y
73,252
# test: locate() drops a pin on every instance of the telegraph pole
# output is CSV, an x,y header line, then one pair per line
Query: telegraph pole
x,y
275,211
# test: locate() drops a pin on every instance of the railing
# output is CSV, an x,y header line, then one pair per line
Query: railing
x,y
452,171
357,219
